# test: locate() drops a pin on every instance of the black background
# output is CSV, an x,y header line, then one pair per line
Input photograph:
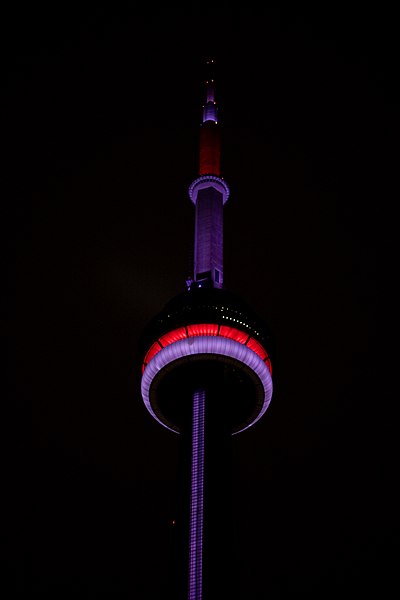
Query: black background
x,y
103,106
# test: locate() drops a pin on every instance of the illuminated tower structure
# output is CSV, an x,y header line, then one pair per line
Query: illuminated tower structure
x,y
206,375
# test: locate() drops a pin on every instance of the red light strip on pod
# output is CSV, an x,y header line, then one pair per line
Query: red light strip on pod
x,y
207,329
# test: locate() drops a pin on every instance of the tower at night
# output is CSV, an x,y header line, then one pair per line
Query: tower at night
x,y
206,375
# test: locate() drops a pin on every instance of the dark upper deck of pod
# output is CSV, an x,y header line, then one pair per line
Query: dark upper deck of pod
x,y
207,305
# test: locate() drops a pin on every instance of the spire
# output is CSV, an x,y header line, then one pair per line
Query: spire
x,y
210,146
210,107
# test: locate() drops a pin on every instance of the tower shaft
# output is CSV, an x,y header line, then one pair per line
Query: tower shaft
x,y
204,480
196,499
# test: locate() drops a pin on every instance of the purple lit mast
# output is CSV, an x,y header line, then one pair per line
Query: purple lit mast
x,y
206,374
209,193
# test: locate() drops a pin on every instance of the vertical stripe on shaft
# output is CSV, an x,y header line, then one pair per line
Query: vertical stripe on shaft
x,y
196,498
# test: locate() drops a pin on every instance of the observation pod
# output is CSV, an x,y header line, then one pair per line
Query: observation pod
x,y
208,339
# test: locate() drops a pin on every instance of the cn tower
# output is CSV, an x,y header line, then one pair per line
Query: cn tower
x,y
206,375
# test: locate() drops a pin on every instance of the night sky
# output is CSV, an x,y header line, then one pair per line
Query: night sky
x,y
103,107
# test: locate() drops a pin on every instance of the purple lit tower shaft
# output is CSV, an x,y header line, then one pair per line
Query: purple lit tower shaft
x,y
196,499
206,540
